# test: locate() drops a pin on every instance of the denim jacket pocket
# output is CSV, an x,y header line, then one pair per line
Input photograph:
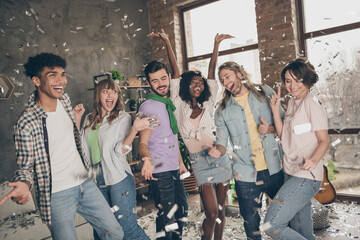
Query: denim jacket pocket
x,y
234,127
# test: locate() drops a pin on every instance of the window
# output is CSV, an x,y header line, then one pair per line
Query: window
x,y
234,17
329,39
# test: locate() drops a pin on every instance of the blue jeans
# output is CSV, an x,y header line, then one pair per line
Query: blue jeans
x,y
249,196
292,204
168,190
123,195
87,200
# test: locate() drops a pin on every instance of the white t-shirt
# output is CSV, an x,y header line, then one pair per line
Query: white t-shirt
x,y
303,118
67,169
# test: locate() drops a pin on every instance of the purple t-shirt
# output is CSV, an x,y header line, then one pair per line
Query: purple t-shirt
x,y
163,143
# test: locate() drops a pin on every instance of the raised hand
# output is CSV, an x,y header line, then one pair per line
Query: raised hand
x,y
161,35
263,127
145,123
20,194
220,37
275,100
213,152
78,112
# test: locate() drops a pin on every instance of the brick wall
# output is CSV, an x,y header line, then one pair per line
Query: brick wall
x,y
277,35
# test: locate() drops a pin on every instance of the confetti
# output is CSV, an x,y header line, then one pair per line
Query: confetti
x,y
218,220
137,209
172,211
171,227
114,209
160,234
336,142
184,175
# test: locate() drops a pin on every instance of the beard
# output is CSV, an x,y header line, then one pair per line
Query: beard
x,y
167,94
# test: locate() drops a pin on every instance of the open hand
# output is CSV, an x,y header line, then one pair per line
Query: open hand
x,y
147,169
161,35
144,123
220,37
20,194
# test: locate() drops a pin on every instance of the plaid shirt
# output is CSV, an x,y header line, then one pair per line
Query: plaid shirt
x,y
32,151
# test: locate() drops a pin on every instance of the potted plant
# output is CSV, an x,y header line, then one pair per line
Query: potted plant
x,y
116,76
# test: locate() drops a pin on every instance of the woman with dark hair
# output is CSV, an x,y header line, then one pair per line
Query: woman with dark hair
x,y
304,137
107,137
194,98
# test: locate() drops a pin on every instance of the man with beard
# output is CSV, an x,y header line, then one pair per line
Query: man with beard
x,y
244,116
159,150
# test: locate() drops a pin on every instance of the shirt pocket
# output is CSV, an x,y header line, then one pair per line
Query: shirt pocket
x,y
234,127
265,112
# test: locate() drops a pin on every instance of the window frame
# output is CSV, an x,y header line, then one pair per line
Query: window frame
x,y
187,59
303,36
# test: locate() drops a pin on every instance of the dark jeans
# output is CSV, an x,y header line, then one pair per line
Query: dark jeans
x,y
249,195
168,190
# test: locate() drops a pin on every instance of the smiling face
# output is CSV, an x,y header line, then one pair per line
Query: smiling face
x,y
108,100
196,86
231,81
159,82
296,88
51,83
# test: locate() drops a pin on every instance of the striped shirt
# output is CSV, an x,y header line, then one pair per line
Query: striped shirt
x,y
32,151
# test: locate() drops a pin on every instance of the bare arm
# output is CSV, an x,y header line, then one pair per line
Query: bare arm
x,y
182,167
323,139
78,112
144,151
275,108
215,53
175,73
138,125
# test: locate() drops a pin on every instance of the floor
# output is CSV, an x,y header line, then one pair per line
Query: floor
x,y
344,221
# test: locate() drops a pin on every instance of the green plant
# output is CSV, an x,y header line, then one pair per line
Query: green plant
x,y
116,75
184,153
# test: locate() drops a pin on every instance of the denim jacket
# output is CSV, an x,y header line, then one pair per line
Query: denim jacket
x,y
231,125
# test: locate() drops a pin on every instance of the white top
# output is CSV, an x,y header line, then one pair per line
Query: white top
x,y
110,138
303,118
67,169
183,111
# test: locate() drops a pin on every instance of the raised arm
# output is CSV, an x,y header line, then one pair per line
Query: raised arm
x,y
138,125
175,73
215,53
144,151
275,108
78,112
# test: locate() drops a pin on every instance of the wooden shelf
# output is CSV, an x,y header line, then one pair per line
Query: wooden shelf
x,y
143,86
145,185
134,162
